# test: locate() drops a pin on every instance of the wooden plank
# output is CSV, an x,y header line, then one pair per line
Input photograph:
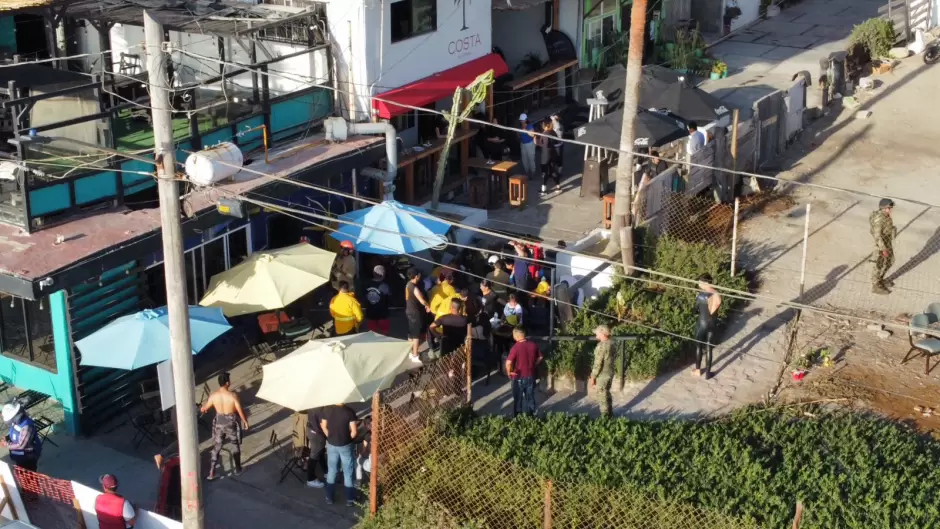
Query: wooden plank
x,y
543,72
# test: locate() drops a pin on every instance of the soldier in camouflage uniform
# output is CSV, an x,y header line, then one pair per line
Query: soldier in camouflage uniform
x,y
884,232
602,374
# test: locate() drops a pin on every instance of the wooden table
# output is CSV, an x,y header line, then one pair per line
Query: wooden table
x,y
432,151
497,179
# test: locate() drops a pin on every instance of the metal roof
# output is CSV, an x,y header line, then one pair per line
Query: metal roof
x,y
203,17
516,5
13,5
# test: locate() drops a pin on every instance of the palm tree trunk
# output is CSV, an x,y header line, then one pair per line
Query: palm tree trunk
x,y
622,223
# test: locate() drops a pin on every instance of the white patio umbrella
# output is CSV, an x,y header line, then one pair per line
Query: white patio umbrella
x,y
330,371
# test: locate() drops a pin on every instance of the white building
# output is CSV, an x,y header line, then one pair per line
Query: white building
x,y
413,51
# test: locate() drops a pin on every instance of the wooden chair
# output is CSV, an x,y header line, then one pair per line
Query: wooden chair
x,y
518,190
922,342
608,213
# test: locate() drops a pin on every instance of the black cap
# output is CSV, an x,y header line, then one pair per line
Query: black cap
x,y
885,203
413,272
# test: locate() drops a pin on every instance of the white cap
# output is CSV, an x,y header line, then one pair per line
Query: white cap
x,y
493,259
379,270
10,411
523,116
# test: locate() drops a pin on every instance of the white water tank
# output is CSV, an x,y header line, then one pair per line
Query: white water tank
x,y
9,170
214,164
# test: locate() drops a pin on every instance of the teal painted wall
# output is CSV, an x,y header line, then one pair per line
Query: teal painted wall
x,y
8,34
60,385
288,117
49,199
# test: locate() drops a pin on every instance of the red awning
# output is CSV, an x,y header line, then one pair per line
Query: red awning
x,y
437,86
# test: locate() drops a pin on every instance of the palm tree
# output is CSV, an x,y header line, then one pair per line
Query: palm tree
x,y
463,4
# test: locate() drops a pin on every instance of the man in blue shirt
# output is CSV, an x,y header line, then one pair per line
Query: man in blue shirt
x,y
527,146
23,440
696,138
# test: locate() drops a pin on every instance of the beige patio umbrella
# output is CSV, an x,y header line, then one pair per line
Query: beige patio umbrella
x,y
269,280
338,370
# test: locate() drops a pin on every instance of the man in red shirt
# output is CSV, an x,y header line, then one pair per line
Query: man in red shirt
x,y
113,511
524,357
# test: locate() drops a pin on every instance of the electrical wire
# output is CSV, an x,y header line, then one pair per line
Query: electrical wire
x,y
307,79
723,290
299,215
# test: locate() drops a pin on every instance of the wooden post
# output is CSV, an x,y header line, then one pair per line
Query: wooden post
x,y
489,103
8,500
799,515
468,346
374,454
556,7
734,237
805,244
78,513
547,506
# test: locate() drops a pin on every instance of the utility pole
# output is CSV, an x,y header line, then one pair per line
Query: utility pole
x,y
622,222
181,352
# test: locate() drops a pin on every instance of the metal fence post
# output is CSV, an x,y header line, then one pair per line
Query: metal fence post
x,y
805,244
734,237
547,506
374,454
468,360
552,304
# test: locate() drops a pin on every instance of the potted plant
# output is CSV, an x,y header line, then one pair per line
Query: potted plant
x,y
719,70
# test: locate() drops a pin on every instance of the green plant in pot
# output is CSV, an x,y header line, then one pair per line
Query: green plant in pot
x,y
719,70
876,35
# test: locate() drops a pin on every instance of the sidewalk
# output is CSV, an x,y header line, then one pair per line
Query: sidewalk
x,y
765,57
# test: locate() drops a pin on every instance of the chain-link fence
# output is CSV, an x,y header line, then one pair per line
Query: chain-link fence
x,y
425,478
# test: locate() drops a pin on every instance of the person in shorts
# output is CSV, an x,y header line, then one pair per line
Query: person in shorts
x,y
416,308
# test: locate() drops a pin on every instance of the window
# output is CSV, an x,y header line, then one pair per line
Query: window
x,y
411,18
26,331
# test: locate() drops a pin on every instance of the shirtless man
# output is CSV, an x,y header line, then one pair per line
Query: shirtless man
x,y
225,425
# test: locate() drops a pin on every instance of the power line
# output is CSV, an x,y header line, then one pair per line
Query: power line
x,y
309,80
293,213
727,291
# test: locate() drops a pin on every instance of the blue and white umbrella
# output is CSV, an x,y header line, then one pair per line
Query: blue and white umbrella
x,y
143,339
392,228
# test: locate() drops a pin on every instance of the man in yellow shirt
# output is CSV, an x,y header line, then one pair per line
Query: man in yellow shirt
x,y
442,294
346,311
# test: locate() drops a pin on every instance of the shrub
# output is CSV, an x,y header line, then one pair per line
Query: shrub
x,y
461,486
850,471
876,35
670,308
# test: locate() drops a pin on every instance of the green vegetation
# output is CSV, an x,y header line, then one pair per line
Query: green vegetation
x,y
850,471
670,308
876,35
455,485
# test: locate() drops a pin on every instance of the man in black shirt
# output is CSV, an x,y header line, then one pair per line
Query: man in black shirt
x,y
317,442
377,302
339,425
416,308
492,304
451,327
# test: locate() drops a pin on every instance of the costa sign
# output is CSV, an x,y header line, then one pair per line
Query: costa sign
x,y
465,44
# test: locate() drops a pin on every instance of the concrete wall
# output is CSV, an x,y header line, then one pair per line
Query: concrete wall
x,y
361,30
86,497
569,22
518,33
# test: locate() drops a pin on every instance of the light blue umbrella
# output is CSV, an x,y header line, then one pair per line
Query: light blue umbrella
x,y
143,339
391,228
